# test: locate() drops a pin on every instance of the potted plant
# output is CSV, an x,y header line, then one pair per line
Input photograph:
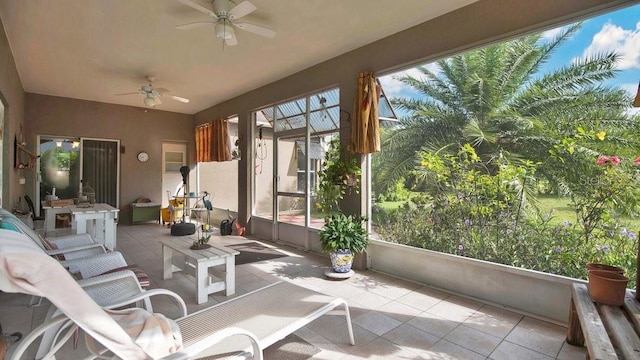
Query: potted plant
x,y
342,237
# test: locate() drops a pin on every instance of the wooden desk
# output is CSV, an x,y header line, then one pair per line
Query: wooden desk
x,y
607,331
98,221
200,263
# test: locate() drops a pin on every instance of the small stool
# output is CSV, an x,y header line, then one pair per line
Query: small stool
x,y
63,220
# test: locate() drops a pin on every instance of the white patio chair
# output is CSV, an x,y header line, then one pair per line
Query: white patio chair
x,y
261,317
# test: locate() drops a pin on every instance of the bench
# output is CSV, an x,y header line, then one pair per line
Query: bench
x,y
609,332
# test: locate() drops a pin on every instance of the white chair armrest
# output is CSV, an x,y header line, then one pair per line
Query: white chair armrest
x,y
95,265
78,251
72,240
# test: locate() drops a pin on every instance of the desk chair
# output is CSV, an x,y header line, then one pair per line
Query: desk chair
x,y
34,217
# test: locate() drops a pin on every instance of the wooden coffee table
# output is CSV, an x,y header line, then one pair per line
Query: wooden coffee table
x,y
200,263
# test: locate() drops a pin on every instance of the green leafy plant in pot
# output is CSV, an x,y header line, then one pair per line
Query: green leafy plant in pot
x,y
342,237
338,177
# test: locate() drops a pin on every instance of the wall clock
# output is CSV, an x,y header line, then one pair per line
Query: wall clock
x,y
143,156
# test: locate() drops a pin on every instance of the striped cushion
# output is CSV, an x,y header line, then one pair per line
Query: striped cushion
x,y
51,246
142,276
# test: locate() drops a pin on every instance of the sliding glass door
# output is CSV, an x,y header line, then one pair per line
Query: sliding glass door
x,y
66,161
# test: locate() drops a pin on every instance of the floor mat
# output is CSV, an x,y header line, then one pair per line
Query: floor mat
x,y
254,252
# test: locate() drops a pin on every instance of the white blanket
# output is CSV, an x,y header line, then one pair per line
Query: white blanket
x,y
25,268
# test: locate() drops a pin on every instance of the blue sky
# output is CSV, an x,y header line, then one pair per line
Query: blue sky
x,y
617,31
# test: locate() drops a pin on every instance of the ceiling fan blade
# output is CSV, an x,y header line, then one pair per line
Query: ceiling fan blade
x,y
158,101
259,30
194,25
129,93
200,7
181,99
161,90
241,10
232,40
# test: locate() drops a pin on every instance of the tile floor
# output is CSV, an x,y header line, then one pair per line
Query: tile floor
x,y
392,318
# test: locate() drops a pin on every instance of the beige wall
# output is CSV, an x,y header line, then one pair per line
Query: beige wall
x,y
13,97
136,129
477,24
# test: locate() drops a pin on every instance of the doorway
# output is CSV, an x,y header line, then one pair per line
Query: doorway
x,y
174,156
66,162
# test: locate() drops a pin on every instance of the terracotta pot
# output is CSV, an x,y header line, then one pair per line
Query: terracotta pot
x,y
607,287
596,266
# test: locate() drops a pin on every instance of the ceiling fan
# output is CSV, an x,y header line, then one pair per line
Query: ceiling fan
x,y
224,14
152,95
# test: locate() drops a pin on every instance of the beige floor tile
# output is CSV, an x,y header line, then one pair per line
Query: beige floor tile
x,y
411,338
493,320
571,352
446,350
376,322
423,298
433,324
473,339
455,308
510,351
539,336
380,349
399,311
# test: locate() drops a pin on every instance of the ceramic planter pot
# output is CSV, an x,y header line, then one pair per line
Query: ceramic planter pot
x,y
341,260
597,266
607,287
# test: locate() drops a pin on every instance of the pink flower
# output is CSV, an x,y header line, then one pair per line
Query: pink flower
x,y
602,160
606,159
637,161
615,160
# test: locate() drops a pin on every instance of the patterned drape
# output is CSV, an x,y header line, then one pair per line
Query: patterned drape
x,y
212,141
365,125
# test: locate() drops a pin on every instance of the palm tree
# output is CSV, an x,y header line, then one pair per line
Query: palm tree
x,y
497,100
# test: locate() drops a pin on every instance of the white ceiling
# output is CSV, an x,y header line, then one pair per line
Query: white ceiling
x,y
93,49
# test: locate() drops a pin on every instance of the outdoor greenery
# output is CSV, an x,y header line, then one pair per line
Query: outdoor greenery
x,y
489,136
336,178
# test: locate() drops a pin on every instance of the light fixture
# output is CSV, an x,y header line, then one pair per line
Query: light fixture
x,y
323,107
150,101
636,102
59,143
75,144
224,31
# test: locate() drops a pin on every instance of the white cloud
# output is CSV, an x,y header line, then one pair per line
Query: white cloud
x,y
613,38
396,88
631,88
551,34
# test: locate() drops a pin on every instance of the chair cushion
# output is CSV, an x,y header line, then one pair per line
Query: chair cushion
x,y
143,278
51,246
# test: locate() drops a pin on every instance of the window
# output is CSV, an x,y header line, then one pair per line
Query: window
x,y
522,162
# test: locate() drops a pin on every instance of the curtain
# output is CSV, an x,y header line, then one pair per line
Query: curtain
x,y
212,142
365,125
204,136
100,169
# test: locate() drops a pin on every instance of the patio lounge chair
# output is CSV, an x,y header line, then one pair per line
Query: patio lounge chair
x,y
261,317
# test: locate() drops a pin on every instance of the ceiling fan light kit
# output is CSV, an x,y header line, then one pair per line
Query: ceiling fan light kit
x,y
152,95
224,14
